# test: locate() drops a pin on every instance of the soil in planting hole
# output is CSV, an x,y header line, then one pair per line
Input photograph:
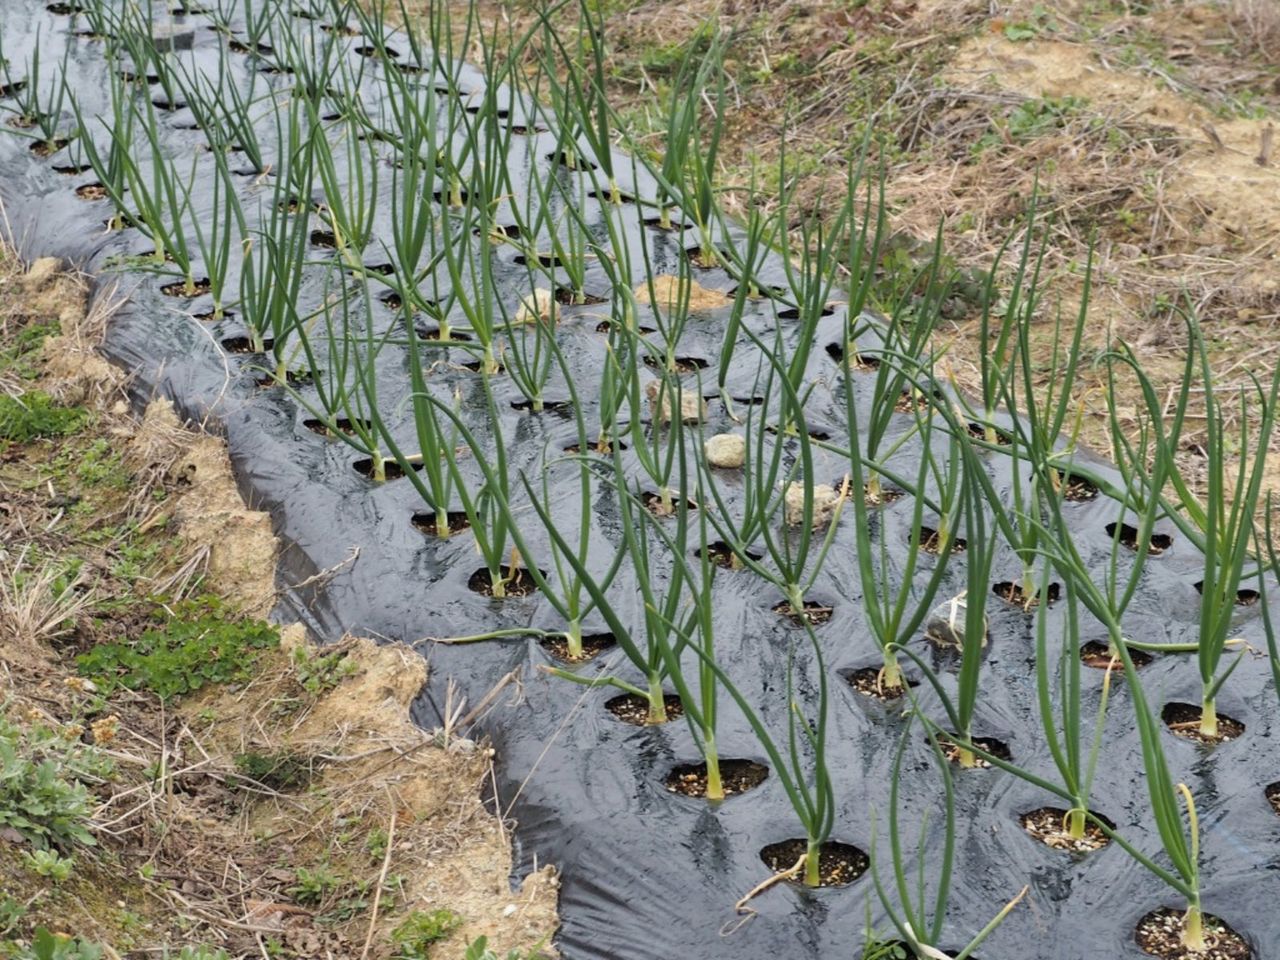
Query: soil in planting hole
x,y
392,301
869,681
886,496
1159,543
391,468
979,432
704,261
673,225
931,542
324,238
426,522
518,583
63,9
72,169
759,293
442,198
592,647
243,345
1159,933
599,450
547,260
862,363
1096,654
1077,489
1012,594
1273,796
606,326
736,776
721,554
371,51
567,298
91,191
433,333
793,313
839,864
293,378
47,148
997,748
652,501
605,197
682,364
1183,720
179,288
634,710
814,613
572,161
477,366
1244,598
1049,826
342,425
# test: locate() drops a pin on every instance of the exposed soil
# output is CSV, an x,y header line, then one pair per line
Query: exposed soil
x,y
342,424
47,148
592,646
736,777
517,582
652,501
979,432
243,346
931,542
1048,825
565,296
839,864
1273,796
682,364
1244,598
1183,720
634,710
869,681
722,555
1158,544
197,288
1078,489
1011,593
426,522
390,468
91,191
1096,654
997,748
814,613
324,238
1159,933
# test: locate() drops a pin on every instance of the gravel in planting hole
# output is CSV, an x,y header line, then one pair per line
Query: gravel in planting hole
x,y
592,647
1159,933
1096,654
1049,826
1011,593
426,522
814,613
1159,543
839,864
635,710
1183,720
736,776
179,288
869,682
518,582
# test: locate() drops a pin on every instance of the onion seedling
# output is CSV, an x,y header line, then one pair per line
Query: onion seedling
x,y
350,194
39,105
111,169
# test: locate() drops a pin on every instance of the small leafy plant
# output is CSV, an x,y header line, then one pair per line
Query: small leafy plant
x,y
414,936
36,414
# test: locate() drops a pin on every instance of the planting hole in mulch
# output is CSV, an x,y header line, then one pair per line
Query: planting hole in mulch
x,y
869,681
516,583
1077,489
64,9
442,198
673,224
997,748
433,333
635,710
931,542
172,106
682,364
1159,933
426,522
478,366
511,231
736,776
46,148
860,362
180,288
371,51
91,191
1097,654
1159,543
244,345
602,450
72,169
1183,720
572,161
1244,598
759,293
392,301
722,555
566,297
547,260
548,406
592,647
1273,796
793,313
704,261
814,613
390,468
654,503
886,496
620,196
1011,593
1049,826
979,432
341,425
606,326
839,864
294,378
324,238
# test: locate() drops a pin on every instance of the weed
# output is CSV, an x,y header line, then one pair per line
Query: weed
x,y
415,935
200,952
58,946
20,354
35,414
1031,119
318,672
314,886
281,770
41,793
376,843
100,465
11,911
199,645
478,949
47,863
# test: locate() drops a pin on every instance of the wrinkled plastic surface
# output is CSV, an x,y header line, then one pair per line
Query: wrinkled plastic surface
x,y
649,875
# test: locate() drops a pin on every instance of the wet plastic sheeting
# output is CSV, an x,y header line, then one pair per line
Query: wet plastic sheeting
x,y
649,875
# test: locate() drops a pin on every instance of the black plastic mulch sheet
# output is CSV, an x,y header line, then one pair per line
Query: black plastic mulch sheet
x,y
647,874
